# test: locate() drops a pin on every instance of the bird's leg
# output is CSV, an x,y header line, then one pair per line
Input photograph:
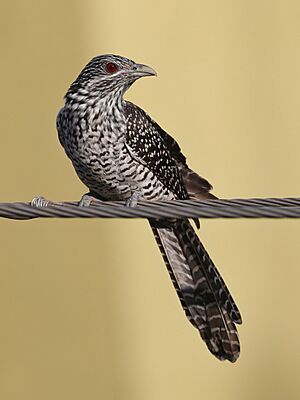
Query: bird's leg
x,y
134,198
86,200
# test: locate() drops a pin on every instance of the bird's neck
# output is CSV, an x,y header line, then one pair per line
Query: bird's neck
x,y
95,104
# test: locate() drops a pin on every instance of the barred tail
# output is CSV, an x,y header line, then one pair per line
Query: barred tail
x,y
202,292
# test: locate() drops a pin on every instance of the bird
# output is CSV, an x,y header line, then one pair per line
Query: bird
x,y
120,153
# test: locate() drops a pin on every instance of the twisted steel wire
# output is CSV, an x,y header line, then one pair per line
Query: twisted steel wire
x,y
232,208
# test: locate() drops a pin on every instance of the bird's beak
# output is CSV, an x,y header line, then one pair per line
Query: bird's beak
x,y
143,70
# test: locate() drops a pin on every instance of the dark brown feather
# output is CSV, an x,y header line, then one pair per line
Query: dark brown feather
x,y
202,292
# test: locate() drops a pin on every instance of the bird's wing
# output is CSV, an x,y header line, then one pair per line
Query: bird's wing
x,y
146,144
196,186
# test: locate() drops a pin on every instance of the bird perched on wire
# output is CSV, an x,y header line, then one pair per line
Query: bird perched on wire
x,y
120,153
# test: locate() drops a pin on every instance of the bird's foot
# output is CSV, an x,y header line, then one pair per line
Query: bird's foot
x,y
134,198
40,202
86,200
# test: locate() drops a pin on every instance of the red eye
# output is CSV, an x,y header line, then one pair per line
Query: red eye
x,y
111,67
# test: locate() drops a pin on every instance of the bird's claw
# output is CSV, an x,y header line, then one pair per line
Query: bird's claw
x,y
133,200
40,202
86,200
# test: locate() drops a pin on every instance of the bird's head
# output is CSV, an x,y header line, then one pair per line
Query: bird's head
x,y
109,73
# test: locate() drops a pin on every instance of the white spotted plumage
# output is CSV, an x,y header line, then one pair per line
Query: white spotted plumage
x,y
117,150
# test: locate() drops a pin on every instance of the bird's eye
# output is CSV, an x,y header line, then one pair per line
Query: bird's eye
x,y
111,67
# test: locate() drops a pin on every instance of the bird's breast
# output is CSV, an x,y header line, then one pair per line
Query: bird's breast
x,y
98,150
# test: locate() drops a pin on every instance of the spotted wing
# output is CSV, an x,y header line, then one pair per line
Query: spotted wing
x,y
149,146
196,186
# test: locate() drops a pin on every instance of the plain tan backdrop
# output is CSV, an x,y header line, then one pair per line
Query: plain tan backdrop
x,y
87,308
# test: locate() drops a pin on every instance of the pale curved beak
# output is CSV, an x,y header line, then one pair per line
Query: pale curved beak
x,y
143,70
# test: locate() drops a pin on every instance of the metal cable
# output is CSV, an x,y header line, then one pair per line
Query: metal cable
x,y
233,208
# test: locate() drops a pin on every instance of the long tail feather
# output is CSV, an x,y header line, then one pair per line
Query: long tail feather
x,y
202,292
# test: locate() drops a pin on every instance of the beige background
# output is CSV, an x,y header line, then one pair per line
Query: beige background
x,y
87,308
